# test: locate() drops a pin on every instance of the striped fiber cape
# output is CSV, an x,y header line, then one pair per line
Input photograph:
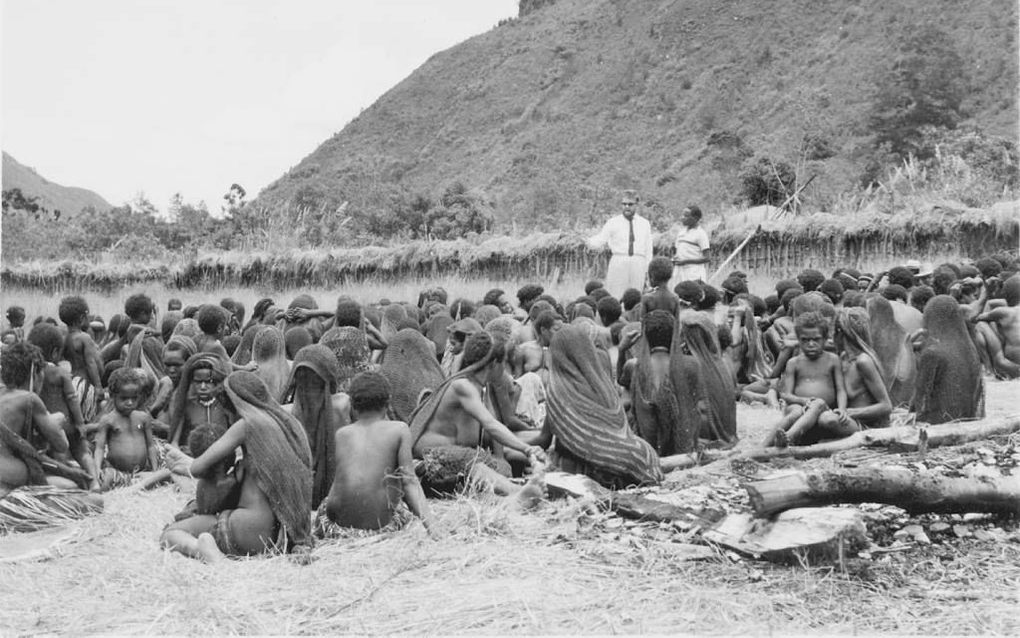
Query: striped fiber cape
x,y
587,418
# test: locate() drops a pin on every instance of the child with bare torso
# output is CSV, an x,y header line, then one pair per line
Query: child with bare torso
x,y
374,466
998,333
59,396
812,387
867,399
23,412
124,435
83,354
198,399
660,269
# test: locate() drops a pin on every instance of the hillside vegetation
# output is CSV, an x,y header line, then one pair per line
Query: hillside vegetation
x,y
546,115
52,197
499,154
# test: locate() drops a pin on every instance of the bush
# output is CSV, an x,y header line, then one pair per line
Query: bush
x,y
766,181
459,212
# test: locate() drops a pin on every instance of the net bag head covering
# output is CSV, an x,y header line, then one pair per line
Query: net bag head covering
x,y
949,382
350,347
277,454
410,367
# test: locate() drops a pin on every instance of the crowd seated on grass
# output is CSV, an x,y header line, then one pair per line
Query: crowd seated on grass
x,y
298,424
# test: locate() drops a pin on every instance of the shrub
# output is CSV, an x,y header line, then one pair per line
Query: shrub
x,y
766,181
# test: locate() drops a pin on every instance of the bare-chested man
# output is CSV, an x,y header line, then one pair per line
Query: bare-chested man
x,y
23,412
448,430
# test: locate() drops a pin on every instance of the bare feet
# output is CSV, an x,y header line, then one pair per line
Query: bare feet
x,y
781,440
207,549
532,493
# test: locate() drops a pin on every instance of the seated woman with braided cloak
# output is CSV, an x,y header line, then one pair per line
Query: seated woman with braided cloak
x,y
274,508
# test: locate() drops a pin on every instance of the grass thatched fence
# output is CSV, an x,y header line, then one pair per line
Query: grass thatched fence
x,y
783,247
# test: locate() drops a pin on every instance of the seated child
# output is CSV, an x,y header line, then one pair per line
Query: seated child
x,y
198,398
58,395
212,321
997,333
867,399
813,389
16,322
124,439
374,467
218,489
660,269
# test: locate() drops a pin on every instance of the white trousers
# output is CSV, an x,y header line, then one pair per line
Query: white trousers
x,y
626,272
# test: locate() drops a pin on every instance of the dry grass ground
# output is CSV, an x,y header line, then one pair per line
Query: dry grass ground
x,y
496,570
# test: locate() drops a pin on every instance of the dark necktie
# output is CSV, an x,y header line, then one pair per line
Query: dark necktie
x,y
630,240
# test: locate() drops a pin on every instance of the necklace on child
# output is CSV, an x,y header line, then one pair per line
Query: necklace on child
x,y
208,408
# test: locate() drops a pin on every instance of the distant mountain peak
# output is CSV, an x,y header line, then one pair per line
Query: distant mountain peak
x,y
69,200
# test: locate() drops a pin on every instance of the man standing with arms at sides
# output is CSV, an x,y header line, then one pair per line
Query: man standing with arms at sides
x,y
629,237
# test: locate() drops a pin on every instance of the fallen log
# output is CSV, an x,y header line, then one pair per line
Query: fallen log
x,y
914,491
904,438
809,535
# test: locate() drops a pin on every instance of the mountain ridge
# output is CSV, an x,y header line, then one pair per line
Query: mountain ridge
x,y
69,200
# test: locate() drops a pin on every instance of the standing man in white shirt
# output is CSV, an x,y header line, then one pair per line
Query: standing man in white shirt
x,y
629,237
691,249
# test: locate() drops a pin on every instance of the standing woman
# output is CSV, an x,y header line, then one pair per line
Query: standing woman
x,y
690,251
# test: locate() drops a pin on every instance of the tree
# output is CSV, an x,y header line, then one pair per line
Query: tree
x,y
234,199
14,199
924,86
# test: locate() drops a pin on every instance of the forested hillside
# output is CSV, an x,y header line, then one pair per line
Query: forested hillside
x,y
542,117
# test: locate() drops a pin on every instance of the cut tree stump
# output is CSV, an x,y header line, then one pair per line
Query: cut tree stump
x,y
914,491
806,535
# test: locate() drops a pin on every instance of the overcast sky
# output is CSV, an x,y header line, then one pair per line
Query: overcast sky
x,y
166,96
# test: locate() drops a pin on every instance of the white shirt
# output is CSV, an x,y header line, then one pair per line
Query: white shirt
x,y
690,243
616,234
